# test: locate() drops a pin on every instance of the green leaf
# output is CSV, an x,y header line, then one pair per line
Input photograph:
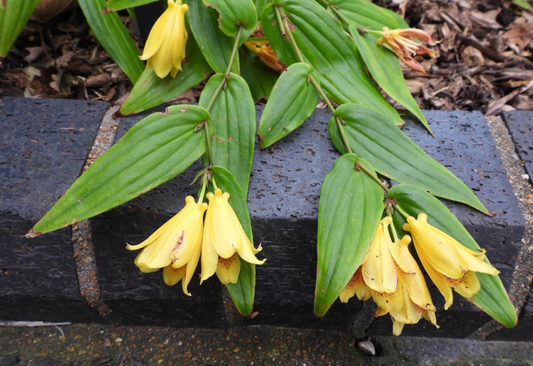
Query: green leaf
x,y
234,124
214,44
270,26
259,77
396,156
114,5
524,4
364,13
492,298
387,72
349,210
150,90
260,6
234,14
114,37
14,15
243,291
156,149
292,101
330,50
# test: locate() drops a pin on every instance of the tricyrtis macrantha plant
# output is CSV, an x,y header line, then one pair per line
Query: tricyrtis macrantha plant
x,y
292,53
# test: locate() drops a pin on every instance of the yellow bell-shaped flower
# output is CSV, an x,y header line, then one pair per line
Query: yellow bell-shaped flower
x,y
447,262
390,275
414,295
175,246
165,47
223,239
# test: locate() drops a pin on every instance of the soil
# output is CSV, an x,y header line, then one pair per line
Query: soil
x,y
484,57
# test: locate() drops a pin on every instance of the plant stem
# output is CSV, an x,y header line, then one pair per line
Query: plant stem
x,y
339,15
400,210
372,175
234,51
393,230
343,135
202,192
291,38
285,29
218,89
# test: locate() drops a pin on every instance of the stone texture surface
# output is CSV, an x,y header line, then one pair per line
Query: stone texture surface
x,y
463,143
520,124
43,148
283,201
46,142
523,331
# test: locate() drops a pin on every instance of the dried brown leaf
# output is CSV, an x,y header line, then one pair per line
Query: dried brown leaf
x,y
34,53
48,9
519,35
472,56
486,19
64,60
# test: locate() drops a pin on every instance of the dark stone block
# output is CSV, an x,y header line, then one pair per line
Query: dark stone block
x,y
523,331
283,201
520,124
464,145
44,146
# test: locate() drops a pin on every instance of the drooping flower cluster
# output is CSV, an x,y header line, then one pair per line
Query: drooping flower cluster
x,y
165,46
177,245
391,276
448,263
401,41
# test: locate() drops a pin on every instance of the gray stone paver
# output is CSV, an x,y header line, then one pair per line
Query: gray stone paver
x,y
520,124
147,346
43,147
283,201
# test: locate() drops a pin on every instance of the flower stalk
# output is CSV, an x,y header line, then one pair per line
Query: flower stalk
x,y
286,31
218,89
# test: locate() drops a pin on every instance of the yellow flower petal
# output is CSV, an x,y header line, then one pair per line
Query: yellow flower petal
x,y
412,278
190,269
447,262
172,275
220,226
159,32
165,47
467,286
356,286
379,271
437,248
224,238
440,281
209,258
228,269
397,327
388,302
175,246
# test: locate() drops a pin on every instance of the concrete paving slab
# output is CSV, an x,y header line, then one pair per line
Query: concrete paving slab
x,y
43,148
109,345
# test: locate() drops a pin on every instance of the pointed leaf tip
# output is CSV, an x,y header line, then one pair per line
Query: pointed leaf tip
x,y
32,234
